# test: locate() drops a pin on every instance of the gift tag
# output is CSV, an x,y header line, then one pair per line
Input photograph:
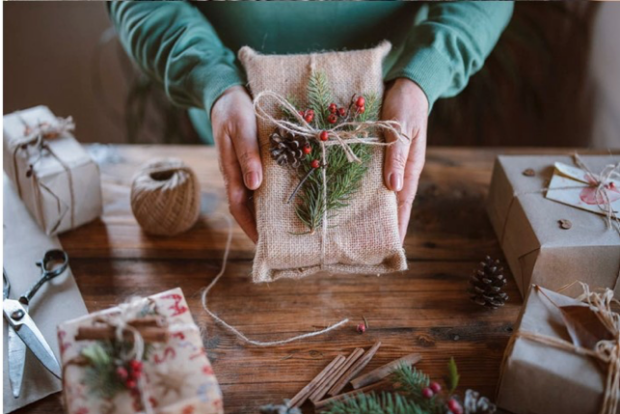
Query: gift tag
x,y
573,186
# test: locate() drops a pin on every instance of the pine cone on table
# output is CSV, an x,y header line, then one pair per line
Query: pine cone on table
x,y
486,285
287,148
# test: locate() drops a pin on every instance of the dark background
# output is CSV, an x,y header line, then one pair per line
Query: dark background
x,y
553,79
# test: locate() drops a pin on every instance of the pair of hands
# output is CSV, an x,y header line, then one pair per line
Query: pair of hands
x,y
235,133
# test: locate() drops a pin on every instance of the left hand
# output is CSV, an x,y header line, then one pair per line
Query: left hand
x,y
405,102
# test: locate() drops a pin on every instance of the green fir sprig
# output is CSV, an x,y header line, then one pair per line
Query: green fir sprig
x,y
407,396
343,177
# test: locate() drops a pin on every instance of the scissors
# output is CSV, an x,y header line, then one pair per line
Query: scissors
x,y
23,332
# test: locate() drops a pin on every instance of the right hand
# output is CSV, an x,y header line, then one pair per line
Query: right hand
x,y
236,139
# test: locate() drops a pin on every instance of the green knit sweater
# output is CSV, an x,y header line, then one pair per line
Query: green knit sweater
x,y
190,48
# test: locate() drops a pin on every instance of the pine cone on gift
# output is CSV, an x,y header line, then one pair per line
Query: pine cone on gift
x,y
287,148
475,404
486,285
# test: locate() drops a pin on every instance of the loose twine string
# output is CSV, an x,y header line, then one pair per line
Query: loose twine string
x,y
236,331
606,351
343,135
36,136
120,322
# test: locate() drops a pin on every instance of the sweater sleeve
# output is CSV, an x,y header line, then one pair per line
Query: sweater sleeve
x,y
446,48
175,45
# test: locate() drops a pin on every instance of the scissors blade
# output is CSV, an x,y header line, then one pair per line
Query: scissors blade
x,y
28,332
17,359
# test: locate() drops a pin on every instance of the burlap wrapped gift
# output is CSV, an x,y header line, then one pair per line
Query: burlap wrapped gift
x,y
361,238
54,176
541,378
538,248
178,377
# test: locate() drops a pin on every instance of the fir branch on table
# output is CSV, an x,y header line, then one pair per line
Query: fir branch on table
x,y
408,396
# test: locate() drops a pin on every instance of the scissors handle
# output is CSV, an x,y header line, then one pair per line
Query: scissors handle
x,y
54,263
6,286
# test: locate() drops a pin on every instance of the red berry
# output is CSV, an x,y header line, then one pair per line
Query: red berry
x,y
435,387
122,373
361,328
332,119
361,110
324,136
454,406
427,393
360,102
332,108
309,117
307,149
301,113
315,164
135,365
131,384
310,112
342,111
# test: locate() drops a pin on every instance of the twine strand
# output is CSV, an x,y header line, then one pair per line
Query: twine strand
x,y
236,331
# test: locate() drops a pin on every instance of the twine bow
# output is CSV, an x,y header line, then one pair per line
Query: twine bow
x,y
36,137
606,351
343,135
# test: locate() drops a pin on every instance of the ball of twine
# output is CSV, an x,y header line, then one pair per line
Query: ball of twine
x,y
165,197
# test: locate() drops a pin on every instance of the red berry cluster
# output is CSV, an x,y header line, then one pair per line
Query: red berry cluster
x,y
335,111
307,115
434,388
130,373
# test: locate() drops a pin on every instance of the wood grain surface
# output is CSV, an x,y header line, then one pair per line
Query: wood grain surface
x,y
425,309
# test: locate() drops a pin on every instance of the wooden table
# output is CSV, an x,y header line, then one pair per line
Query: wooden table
x,y
425,309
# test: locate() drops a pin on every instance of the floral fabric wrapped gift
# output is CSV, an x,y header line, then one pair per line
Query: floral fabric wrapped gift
x,y
563,356
322,204
553,221
57,180
143,356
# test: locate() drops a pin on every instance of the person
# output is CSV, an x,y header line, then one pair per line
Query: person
x,y
190,48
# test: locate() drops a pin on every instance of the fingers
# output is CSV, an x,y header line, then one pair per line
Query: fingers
x,y
413,169
244,139
396,156
240,204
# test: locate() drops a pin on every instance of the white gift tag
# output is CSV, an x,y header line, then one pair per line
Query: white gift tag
x,y
572,186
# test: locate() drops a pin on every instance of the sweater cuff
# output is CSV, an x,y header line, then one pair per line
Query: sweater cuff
x,y
428,68
213,81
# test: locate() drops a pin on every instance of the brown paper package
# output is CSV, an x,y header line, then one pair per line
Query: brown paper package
x,y
362,237
541,379
537,249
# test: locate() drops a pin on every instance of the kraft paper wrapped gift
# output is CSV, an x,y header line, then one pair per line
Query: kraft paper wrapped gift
x,y
54,176
527,222
177,375
538,378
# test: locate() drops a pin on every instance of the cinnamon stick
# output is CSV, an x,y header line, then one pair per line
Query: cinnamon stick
x,y
100,333
372,387
385,370
322,389
303,395
354,370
